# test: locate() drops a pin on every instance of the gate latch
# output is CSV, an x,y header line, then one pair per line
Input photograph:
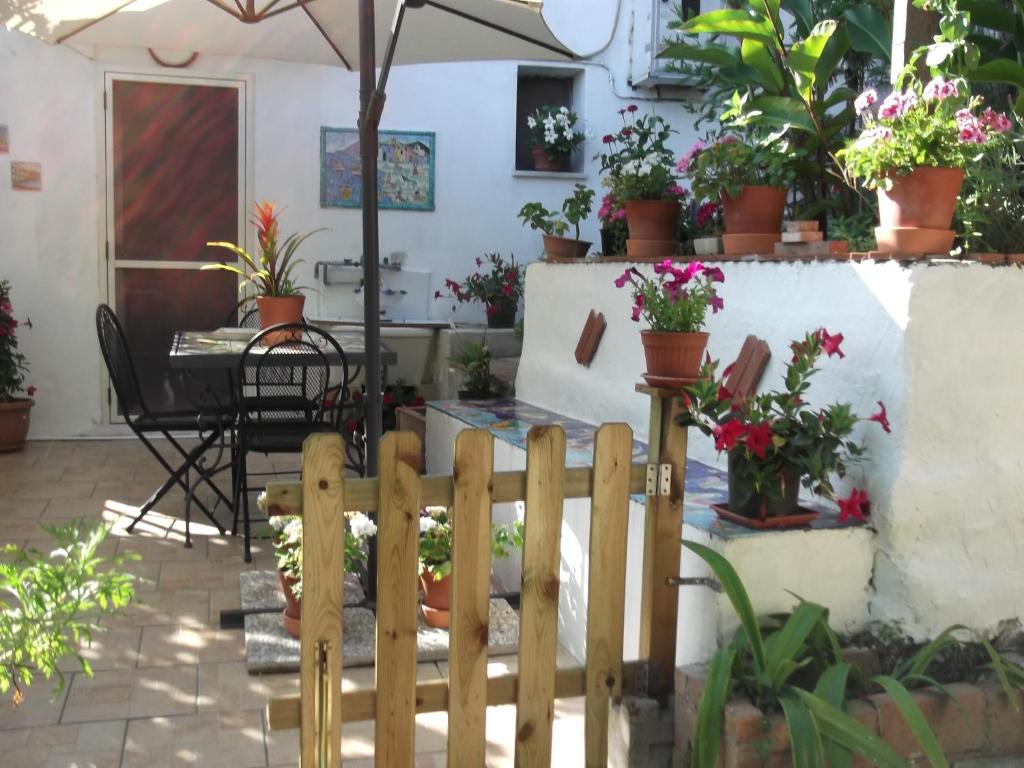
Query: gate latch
x,y
659,479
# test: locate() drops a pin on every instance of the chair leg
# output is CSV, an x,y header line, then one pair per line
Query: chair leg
x,y
247,542
175,477
207,445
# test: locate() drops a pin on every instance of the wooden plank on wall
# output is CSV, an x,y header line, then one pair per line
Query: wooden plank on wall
x,y
538,616
397,563
471,585
606,591
323,576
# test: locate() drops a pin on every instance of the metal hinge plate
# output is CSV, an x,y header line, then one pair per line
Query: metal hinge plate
x,y
659,479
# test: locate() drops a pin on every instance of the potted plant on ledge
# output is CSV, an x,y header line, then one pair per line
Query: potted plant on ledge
x,y
14,410
277,297
913,151
751,177
554,225
675,304
614,230
498,290
707,239
777,442
553,137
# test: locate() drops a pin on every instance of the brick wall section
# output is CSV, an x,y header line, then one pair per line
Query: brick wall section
x,y
973,721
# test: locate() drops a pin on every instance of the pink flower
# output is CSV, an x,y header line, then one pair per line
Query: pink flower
x,y
897,104
691,153
619,215
830,343
31,391
865,101
693,268
638,307
965,119
939,90
608,138
716,304
706,213
995,121
726,139
663,267
972,134
622,279
715,274
675,189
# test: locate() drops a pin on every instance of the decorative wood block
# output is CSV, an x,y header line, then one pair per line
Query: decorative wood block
x,y
590,338
748,368
801,226
803,236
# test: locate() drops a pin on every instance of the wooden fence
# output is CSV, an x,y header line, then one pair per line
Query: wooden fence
x,y
397,497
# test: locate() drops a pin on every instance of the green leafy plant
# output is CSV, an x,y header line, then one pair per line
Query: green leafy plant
x,y
934,125
270,273
674,299
779,435
52,603
707,219
990,212
724,165
857,229
554,129
474,360
502,285
287,542
13,365
575,209
436,541
637,160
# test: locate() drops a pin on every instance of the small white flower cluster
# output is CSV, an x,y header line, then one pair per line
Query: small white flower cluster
x,y
429,522
555,124
644,166
360,526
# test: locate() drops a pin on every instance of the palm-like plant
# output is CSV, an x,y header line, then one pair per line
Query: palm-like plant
x,y
270,272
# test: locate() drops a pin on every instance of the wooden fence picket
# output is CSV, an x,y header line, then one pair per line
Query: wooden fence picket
x,y
538,615
397,604
606,591
470,602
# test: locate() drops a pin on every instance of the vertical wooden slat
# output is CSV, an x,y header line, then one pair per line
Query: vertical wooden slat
x,y
663,528
471,585
323,568
538,616
397,558
606,592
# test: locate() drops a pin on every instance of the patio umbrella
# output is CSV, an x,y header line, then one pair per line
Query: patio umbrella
x,y
347,33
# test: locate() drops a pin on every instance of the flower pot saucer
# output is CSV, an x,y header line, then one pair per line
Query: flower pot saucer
x,y
669,382
804,518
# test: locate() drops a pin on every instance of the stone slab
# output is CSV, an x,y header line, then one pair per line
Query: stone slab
x,y
803,236
269,649
801,226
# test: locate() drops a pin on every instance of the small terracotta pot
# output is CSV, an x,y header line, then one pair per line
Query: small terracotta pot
x,y
645,249
565,247
653,219
924,198
293,606
437,600
673,355
14,417
757,209
504,315
292,623
280,309
760,506
542,161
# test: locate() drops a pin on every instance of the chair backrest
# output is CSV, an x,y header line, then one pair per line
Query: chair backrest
x,y
114,347
284,374
250,319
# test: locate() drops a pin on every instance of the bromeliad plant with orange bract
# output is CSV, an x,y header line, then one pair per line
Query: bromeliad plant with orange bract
x,y
779,434
270,273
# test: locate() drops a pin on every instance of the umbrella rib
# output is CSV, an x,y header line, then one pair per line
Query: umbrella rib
x,y
322,31
91,22
499,28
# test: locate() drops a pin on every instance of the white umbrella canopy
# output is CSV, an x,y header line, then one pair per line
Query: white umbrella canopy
x,y
314,31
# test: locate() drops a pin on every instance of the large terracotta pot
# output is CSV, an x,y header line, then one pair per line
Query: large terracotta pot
x,y
565,247
653,219
280,309
542,161
915,214
757,209
672,356
437,600
14,418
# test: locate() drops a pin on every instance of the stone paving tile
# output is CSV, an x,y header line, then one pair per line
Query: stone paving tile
x,y
189,644
189,607
89,745
21,509
178,575
113,648
39,708
34,491
220,739
130,693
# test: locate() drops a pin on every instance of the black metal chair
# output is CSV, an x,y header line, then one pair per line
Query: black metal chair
x,y
284,382
210,422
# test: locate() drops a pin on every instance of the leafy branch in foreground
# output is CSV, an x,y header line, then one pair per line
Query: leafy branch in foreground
x,y
52,603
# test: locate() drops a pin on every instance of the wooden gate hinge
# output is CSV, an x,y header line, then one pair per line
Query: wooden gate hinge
x,y
659,479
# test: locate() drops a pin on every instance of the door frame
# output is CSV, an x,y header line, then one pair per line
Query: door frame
x,y
243,83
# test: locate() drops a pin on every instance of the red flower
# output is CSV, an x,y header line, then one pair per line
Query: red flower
x,y
632,108
627,131
31,391
882,417
727,435
759,439
830,344
357,396
723,393
857,505
506,289
351,425
437,294
608,138
491,309
420,400
388,399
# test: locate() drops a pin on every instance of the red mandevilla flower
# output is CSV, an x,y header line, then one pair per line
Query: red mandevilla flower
x,y
830,344
727,434
759,439
881,417
856,506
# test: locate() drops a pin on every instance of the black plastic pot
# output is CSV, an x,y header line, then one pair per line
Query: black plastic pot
x,y
465,394
503,316
782,502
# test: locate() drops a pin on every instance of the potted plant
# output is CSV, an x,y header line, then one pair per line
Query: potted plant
x,y
614,230
554,225
913,152
776,441
553,137
436,559
14,410
675,304
474,360
278,299
707,239
498,290
751,177
288,550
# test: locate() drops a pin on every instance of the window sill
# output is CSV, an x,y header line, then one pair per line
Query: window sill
x,y
549,175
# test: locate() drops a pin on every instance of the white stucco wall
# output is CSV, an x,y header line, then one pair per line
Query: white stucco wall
x,y
51,99
936,343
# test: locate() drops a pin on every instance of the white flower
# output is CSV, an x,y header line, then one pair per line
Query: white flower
x,y
531,122
549,123
568,134
427,524
361,526
564,110
562,120
550,137
279,522
293,528
261,502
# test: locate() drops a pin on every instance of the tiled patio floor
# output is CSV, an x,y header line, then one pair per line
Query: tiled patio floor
x,y
170,687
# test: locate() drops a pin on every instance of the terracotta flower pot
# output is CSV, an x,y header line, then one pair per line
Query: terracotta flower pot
x,y
280,309
757,209
287,588
437,599
292,624
914,216
542,161
14,418
653,219
672,355
565,247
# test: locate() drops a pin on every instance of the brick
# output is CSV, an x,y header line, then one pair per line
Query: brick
x,y
960,729
864,659
801,226
802,237
1005,725
824,249
690,681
